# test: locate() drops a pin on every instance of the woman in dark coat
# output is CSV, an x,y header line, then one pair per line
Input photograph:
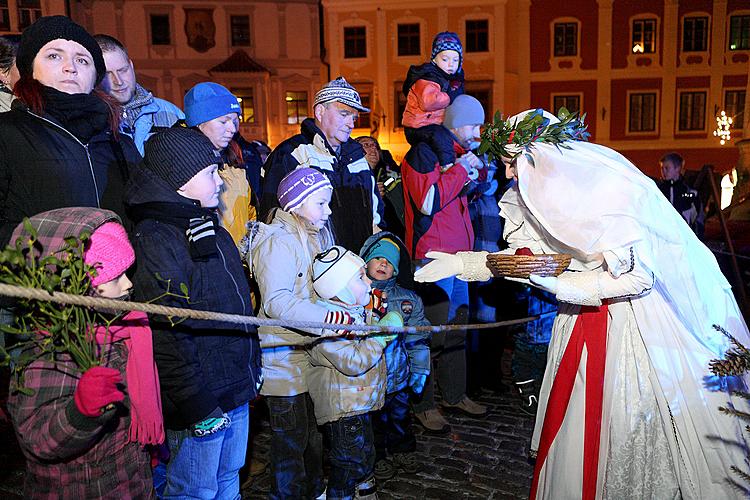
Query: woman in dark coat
x,y
58,145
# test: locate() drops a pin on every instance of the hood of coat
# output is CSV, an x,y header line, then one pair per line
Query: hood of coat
x,y
429,71
405,276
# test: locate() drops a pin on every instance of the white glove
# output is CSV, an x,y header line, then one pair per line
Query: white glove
x,y
546,283
444,266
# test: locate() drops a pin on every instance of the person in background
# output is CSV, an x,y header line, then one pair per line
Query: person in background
x,y
325,144
683,198
8,71
386,171
142,114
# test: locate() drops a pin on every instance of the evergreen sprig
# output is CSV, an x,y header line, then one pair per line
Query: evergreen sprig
x,y
505,139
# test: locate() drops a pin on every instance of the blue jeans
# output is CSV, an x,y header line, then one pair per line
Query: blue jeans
x,y
296,448
391,426
208,467
446,302
352,455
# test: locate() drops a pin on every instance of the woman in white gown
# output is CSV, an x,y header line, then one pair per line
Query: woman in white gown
x,y
628,407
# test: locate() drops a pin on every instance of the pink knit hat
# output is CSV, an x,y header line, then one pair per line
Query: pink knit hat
x,y
109,252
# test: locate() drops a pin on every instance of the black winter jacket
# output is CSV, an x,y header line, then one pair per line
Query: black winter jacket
x,y
202,364
355,205
43,167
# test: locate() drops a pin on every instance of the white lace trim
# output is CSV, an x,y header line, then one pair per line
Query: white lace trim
x,y
475,266
579,288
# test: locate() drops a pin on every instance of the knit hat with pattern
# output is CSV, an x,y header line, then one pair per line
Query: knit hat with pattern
x,y
447,40
298,185
109,252
332,270
48,28
175,155
339,90
207,101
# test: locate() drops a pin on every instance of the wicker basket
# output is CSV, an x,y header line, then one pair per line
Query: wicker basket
x,y
521,266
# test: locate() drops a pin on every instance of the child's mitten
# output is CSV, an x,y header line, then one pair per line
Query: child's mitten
x,y
96,389
416,382
339,317
391,319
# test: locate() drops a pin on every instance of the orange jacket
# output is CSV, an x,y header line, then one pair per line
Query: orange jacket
x,y
425,105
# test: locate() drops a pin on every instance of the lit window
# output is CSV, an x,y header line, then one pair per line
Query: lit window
x,y
566,39
364,118
247,105
296,107
644,36
692,111
734,105
240,26
477,35
408,40
642,112
355,42
694,34
739,33
399,99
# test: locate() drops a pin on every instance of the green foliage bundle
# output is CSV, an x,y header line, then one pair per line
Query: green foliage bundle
x,y
505,139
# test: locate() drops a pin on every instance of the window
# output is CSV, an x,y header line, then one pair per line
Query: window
x,y
355,42
734,105
160,34
566,39
364,118
400,102
644,36
408,40
642,117
692,111
296,107
570,102
247,104
739,32
240,26
28,12
695,34
4,16
477,35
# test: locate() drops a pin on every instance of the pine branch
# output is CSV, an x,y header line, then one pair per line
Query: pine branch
x,y
737,413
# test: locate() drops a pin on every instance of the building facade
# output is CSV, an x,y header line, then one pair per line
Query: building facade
x,y
266,52
651,76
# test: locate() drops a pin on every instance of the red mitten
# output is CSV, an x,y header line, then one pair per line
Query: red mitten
x,y
524,251
96,389
340,317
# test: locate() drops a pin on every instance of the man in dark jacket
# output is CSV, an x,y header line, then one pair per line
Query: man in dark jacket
x,y
325,145
683,198
209,370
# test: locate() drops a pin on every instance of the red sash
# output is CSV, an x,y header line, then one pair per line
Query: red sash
x,y
590,330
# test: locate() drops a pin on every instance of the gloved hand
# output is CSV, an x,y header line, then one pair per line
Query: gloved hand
x,y
416,382
391,319
471,164
546,283
444,266
378,303
340,317
96,389
217,421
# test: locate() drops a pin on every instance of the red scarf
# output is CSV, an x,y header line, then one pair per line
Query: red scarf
x,y
146,421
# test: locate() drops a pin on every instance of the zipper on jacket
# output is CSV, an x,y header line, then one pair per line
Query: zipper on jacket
x,y
85,148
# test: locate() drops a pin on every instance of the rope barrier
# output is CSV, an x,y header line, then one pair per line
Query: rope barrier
x,y
103,304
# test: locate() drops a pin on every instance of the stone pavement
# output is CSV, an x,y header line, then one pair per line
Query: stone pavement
x,y
481,459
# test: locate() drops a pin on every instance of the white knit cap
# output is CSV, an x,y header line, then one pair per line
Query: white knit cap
x,y
332,271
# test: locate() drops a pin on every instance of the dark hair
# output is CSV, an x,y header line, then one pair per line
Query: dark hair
x,y
674,158
109,43
29,91
8,49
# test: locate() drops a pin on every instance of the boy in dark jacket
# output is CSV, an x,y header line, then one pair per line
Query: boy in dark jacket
x,y
407,357
209,370
430,88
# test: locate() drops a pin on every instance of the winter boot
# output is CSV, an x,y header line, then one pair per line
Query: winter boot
x,y
529,398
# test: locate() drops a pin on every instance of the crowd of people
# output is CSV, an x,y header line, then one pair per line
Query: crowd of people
x,y
326,228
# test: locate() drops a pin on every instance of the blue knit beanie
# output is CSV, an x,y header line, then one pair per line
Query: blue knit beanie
x,y
207,101
387,249
447,40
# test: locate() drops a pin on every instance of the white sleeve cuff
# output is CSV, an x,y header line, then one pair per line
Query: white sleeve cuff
x,y
579,288
475,266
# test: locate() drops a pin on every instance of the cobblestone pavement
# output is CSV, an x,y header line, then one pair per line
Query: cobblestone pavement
x,y
480,459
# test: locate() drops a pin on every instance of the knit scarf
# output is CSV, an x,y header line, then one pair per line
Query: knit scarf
x,y
146,422
132,109
83,115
